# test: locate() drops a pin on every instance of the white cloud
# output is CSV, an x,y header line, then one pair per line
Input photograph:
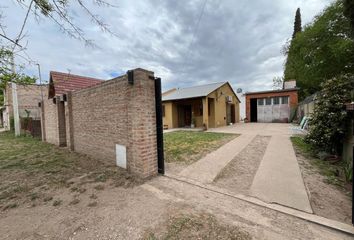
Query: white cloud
x,y
237,41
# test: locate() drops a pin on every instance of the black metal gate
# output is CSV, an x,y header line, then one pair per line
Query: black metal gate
x,y
159,127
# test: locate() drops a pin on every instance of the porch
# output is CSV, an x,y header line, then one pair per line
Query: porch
x,y
199,112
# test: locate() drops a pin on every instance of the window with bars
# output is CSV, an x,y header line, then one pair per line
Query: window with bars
x,y
260,101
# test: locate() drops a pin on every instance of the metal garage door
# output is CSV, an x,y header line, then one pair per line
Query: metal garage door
x,y
273,109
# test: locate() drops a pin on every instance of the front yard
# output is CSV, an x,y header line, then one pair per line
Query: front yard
x,y
186,147
31,170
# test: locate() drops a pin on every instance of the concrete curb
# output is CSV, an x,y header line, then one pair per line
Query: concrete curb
x,y
325,222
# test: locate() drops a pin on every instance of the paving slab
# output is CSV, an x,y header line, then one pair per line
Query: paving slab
x,y
278,179
206,169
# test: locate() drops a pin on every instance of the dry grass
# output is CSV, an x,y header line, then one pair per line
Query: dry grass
x,y
188,147
30,170
201,226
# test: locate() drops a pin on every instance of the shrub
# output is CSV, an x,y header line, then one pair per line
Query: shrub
x,y
328,124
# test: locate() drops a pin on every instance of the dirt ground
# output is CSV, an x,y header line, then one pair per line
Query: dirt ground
x,y
238,175
326,199
161,208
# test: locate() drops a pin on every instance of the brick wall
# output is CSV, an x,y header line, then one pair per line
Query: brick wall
x,y
115,112
293,99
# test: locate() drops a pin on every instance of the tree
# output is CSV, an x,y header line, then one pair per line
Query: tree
x,y
278,83
289,66
323,50
327,126
58,12
6,72
297,23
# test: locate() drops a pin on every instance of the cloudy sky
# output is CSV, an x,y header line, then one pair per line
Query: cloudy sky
x,y
184,42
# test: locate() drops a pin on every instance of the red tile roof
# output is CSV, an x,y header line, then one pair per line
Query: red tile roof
x,y
61,83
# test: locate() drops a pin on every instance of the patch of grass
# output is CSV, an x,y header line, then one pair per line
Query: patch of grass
x,y
188,147
99,187
204,226
75,201
57,202
29,165
47,199
92,204
332,171
93,196
10,205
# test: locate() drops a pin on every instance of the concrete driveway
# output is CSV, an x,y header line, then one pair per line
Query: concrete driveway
x,y
278,178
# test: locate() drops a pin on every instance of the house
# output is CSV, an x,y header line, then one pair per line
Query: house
x,y
273,105
53,119
208,106
28,97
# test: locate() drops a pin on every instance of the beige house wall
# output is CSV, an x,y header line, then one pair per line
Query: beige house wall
x,y
215,102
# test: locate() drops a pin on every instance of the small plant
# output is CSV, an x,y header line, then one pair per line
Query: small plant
x,y
47,199
99,187
93,196
57,202
74,202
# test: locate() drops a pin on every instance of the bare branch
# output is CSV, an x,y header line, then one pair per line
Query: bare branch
x,y
104,27
9,39
105,3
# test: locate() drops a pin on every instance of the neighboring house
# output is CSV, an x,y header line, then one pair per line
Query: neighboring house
x,y
209,106
28,97
53,126
307,106
272,105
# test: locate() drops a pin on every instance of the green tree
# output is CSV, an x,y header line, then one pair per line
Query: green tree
x,y
297,23
327,126
6,73
322,51
289,68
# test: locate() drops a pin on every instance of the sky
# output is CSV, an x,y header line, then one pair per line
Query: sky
x,y
186,43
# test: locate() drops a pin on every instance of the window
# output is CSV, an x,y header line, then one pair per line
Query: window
x,y
163,110
260,101
285,100
268,101
276,100
201,110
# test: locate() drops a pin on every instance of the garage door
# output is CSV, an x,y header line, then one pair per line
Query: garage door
x,y
273,109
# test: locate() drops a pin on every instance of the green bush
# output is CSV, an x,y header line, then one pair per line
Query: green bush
x,y
328,123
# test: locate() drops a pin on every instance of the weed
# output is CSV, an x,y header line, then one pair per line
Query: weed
x,y
99,187
47,199
74,202
57,202
93,196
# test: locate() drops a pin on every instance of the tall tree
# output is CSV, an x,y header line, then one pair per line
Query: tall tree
x,y
289,71
323,50
297,23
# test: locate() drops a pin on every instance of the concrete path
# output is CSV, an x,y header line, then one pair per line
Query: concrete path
x,y
278,179
207,168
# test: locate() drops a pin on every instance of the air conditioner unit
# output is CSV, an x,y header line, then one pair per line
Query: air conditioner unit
x,y
228,99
